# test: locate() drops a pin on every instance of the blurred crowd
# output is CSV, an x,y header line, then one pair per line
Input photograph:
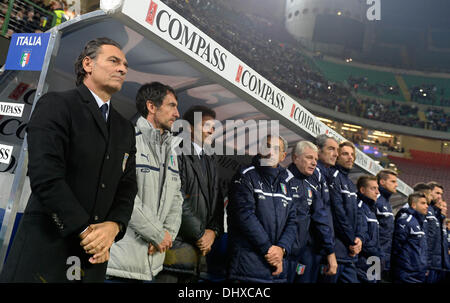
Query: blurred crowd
x,y
378,89
429,94
26,18
246,36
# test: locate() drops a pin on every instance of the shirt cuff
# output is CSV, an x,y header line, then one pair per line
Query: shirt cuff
x,y
83,231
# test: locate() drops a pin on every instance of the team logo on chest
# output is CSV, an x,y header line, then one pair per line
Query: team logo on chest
x,y
310,196
260,185
283,188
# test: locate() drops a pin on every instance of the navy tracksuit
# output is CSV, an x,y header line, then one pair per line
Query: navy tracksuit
x,y
386,219
371,242
347,221
261,213
409,257
437,244
314,230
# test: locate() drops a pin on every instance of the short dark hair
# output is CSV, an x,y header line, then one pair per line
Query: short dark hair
x,y
421,187
154,92
412,198
204,110
364,180
90,50
434,184
384,173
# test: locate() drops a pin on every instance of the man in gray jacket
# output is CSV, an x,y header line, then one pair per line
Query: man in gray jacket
x,y
156,216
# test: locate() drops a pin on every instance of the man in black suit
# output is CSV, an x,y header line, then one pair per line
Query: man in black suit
x,y
203,209
82,176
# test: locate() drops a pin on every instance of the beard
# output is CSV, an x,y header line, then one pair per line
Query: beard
x,y
166,126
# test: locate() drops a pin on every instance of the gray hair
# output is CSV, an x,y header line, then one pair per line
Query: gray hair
x,y
321,140
302,145
91,50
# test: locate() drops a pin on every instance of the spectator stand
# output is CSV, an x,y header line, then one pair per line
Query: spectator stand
x,y
311,79
25,16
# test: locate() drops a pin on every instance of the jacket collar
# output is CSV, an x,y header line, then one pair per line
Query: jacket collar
x,y
322,167
437,210
89,100
325,171
366,200
342,170
270,173
150,133
384,192
415,214
297,174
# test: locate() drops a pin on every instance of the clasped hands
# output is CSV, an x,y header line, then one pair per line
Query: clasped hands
x,y
355,249
97,239
165,244
274,257
204,244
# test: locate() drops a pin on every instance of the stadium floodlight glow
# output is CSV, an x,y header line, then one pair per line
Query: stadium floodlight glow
x,y
349,129
351,125
368,141
382,134
324,120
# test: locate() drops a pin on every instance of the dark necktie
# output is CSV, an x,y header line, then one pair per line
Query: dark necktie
x,y
203,162
104,109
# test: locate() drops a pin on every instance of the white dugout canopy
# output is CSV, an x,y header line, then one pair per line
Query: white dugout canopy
x,y
160,45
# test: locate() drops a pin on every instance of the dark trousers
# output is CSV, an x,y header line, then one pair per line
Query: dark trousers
x,y
312,265
401,276
386,276
346,273
174,277
112,279
435,276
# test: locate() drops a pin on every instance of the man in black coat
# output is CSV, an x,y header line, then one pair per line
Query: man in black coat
x,y
203,210
82,176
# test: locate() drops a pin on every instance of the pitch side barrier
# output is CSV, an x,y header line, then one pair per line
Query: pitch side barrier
x,y
160,26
